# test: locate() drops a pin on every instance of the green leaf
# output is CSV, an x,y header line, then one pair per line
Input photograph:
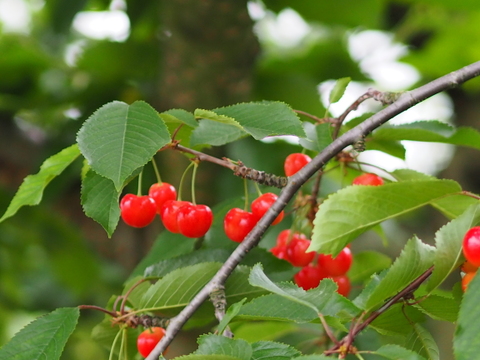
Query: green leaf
x,y
262,119
366,263
220,345
253,331
31,190
120,138
319,136
100,201
214,133
394,148
422,342
339,89
44,338
216,117
110,338
313,357
166,246
415,258
440,307
430,131
179,115
206,357
397,320
355,209
466,343
322,299
396,352
448,242
232,311
273,351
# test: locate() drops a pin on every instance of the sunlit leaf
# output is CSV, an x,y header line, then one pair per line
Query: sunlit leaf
x,y
339,89
220,345
270,350
31,190
440,307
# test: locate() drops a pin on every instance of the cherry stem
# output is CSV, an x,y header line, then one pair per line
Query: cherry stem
x,y
194,174
139,188
245,190
157,173
313,117
180,187
328,331
94,307
259,192
472,195
125,297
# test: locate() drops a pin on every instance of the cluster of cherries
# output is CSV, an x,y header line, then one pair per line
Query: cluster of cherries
x,y
471,250
178,216
148,339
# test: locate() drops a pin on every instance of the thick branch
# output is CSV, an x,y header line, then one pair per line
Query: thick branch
x,y
406,101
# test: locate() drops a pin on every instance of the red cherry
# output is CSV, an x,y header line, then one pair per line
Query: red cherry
x,y
295,162
368,179
343,283
296,251
309,277
279,252
466,280
148,339
238,223
137,211
162,192
471,246
468,267
261,204
336,266
169,212
194,220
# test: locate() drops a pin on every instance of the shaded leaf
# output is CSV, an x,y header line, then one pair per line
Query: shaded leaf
x,y
45,337
231,312
179,115
214,133
119,138
220,345
366,263
318,136
448,241
353,210
31,190
440,307
339,89
422,342
396,352
397,320
273,351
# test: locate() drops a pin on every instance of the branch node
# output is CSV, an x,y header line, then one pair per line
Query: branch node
x,y
260,177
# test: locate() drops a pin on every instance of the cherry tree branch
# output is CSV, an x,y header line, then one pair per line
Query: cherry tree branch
x,y
404,102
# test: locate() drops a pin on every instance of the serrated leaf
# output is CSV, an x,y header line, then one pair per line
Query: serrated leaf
x,y
120,138
166,246
270,350
323,299
396,352
466,343
415,258
397,320
214,133
231,312
110,338
339,89
206,357
262,330
422,342
313,357
220,345
318,136
45,337
100,201
453,206
366,263
355,209
431,131
179,115
266,118
440,307
448,242
213,115
31,190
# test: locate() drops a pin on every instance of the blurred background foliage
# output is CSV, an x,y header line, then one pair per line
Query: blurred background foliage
x,y
58,65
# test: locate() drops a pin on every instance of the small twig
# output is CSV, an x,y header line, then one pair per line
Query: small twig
x,y
328,331
94,307
204,157
313,117
406,101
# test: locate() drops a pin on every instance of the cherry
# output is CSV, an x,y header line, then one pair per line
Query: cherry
x,y
194,220
238,223
343,283
148,339
295,162
471,246
466,280
368,179
279,252
137,211
261,204
336,266
468,267
296,251
309,277
168,213
162,192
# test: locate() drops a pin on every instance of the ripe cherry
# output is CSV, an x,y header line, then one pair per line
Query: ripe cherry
x,y
471,246
309,277
296,251
162,192
261,204
294,162
468,267
238,223
137,211
343,283
466,280
148,339
168,213
368,179
194,220
336,266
